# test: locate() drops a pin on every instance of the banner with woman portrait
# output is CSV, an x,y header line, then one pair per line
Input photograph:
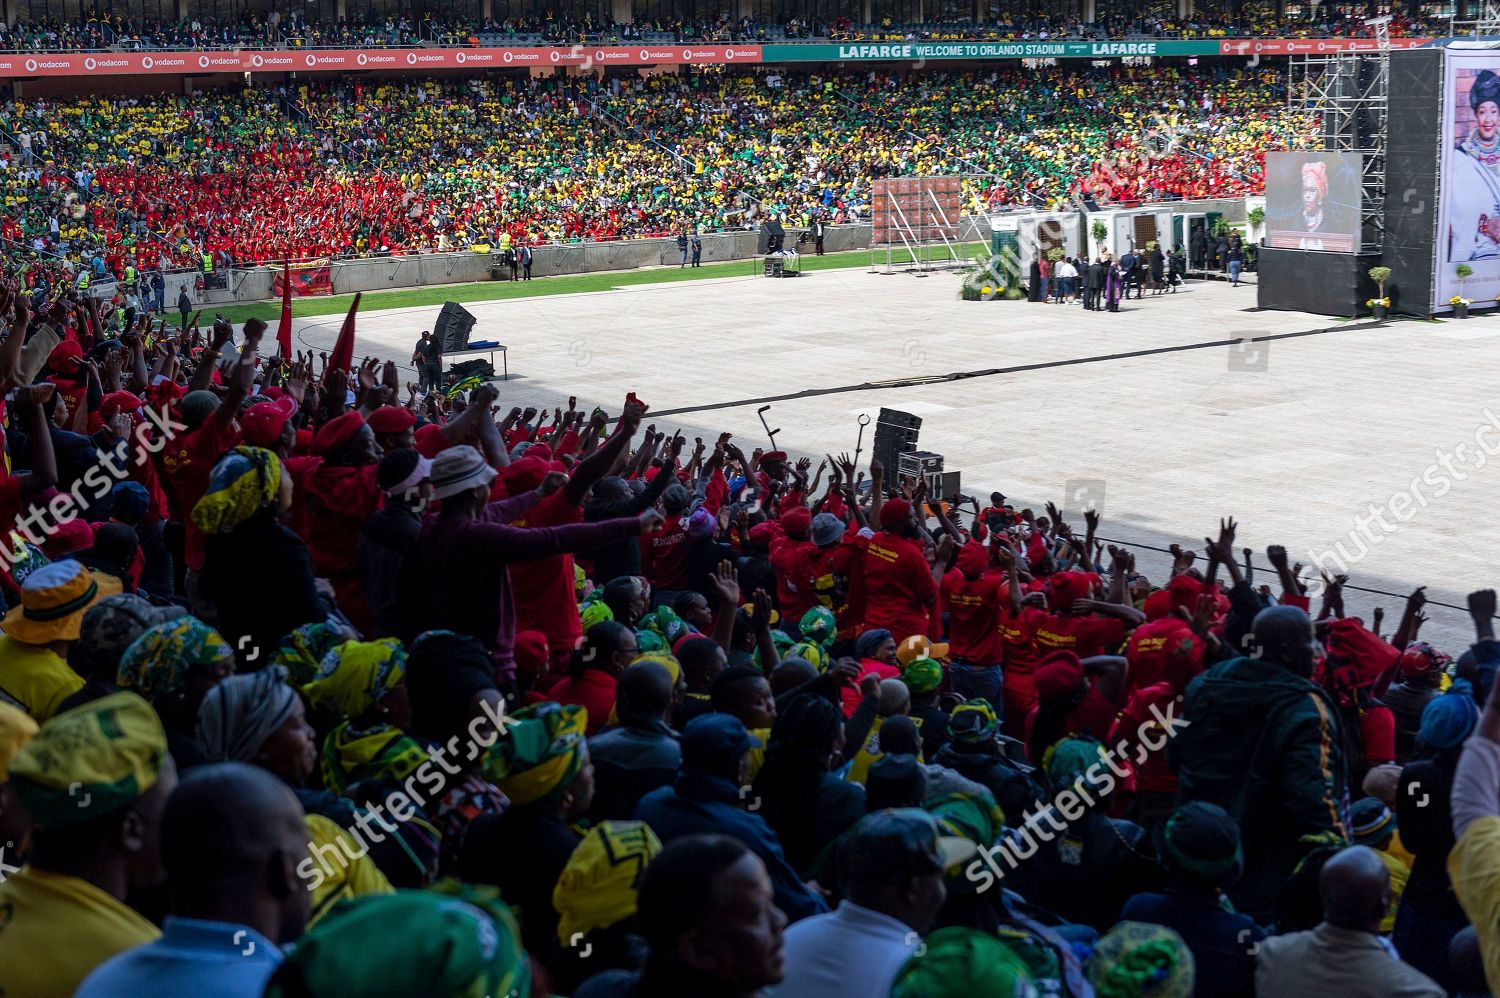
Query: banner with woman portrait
x,y
1469,179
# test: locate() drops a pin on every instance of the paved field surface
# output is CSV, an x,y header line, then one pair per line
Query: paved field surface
x,y
1158,414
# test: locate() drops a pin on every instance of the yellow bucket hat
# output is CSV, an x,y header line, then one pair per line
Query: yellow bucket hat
x,y
53,601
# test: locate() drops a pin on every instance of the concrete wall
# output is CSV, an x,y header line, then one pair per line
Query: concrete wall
x,y
589,258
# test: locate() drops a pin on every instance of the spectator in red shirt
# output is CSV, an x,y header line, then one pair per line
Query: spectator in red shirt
x,y
1074,697
973,596
899,584
605,652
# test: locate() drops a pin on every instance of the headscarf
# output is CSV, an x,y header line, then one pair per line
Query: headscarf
x,y
355,675
1317,173
869,642
1448,720
164,657
812,653
973,722
664,623
1419,659
598,886
923,675
444,672
302,651
1141,960
460,941
818,625
239,714
382,752
540,752
244,482
594,611
1486,88
956,962
90,761
1068,760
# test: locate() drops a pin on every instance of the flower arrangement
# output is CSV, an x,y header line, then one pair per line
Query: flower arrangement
x,y
1457,300
986,290
1382,302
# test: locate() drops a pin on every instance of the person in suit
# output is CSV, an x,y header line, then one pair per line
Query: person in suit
x,y
1198,245
819,230
526,258
1128,264
1097,273
1221,253
1158,269
682,249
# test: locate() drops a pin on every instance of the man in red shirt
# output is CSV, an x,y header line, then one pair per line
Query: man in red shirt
x,y
544,587
790,552
899,585
973,596
343,494
664,555
1084,626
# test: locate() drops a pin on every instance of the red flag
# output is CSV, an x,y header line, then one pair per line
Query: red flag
x,y
284,331
342,358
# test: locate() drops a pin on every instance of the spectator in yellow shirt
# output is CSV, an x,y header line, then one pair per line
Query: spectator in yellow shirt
x,y
95,780
34,672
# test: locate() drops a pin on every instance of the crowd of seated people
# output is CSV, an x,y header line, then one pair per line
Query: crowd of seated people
x,y
312,687
97,30
348,168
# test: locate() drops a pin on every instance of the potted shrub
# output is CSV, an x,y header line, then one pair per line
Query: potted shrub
x,y
1459,302
1255,216
1380,304
1101,233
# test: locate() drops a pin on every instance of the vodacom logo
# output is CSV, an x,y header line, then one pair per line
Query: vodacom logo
x,y
312,60
147,62
90,64
459,57
256,60
31,65
645,55
411,58
554,55
203,62
509,56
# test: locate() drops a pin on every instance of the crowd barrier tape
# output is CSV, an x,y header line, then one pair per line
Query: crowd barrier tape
x,y
169,63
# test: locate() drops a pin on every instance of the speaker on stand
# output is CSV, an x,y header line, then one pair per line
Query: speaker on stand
x,y
895,434
453,325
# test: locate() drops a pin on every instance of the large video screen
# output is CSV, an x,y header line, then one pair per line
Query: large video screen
x,y
1469,179
1312,201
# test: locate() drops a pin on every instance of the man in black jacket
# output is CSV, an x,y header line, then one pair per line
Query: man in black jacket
x,y
406,479
642,753
1097,273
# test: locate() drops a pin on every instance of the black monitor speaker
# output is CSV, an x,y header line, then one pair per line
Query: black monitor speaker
x,y
454,323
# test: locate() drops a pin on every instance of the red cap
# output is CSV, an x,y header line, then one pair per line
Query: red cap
x,y
525,474
65,356
265,421
1068,587
762,534
392,419
973,559
540,450
797,522
337,432
531,653
894,512
115,403
773,455
69,536
304,442
1060,672
429,440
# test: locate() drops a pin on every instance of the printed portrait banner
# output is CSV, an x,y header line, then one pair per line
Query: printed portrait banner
x,y
315,278
1469,179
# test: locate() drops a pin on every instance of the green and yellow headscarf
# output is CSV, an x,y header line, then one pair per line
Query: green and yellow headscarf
x,y
1141,960
598,887
245,481
539,753
922,675
958,963
818,625
355,675
460,942
164,657
302,651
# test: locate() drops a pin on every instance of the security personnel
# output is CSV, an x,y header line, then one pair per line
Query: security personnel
x,y
83,279
130,277
208,262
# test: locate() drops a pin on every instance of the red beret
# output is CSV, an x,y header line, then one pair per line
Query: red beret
x,y
540,450
117,402
1068,587
1060,672
337,432
531,653
973,559
265,421
525,474
429,440
796,522
303,445
894,512
65,356
773,455
762,534
392,419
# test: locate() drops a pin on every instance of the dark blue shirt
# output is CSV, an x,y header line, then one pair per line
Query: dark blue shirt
x,y
1223,943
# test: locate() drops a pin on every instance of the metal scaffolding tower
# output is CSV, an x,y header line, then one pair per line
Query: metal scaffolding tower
x,y
1348,93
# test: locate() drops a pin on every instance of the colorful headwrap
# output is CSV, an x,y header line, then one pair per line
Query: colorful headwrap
x,y
594,611
164,657
1068,760
923,676
302,651
1141,960
818,625
1317,173
355,675
956,962
664,659
783,643
650,641
973,816
89,761
245,481
663,622
350,756
539,753
1420,658
812,653
463,942
598,886
973,722
240,714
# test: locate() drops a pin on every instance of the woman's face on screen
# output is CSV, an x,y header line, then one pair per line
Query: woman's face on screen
x,y
1487,118
1312,199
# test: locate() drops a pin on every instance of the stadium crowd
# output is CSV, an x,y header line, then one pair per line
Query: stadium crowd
x,y
94,185
318,686
97,30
